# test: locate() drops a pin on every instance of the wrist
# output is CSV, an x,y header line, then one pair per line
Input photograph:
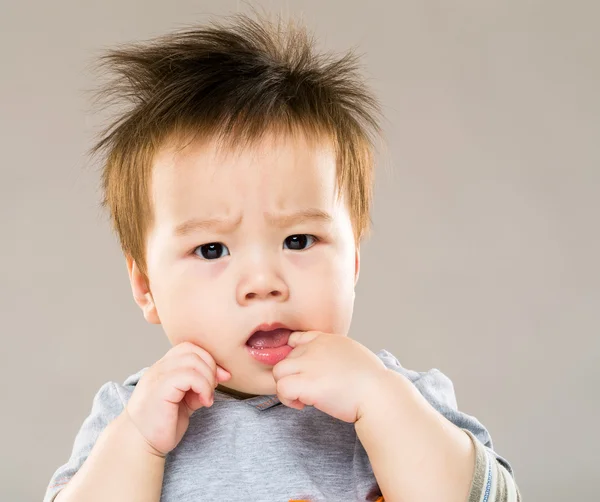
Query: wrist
x,y
376,397
133,437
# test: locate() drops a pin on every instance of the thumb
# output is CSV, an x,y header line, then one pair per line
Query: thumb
x,y
222,374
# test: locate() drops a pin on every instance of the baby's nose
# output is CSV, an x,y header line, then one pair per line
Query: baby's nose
x,y
262,287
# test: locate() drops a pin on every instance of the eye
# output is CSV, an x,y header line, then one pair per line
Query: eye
x,y
212,251
299,241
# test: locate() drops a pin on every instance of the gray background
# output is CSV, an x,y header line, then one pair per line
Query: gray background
x,y
484,257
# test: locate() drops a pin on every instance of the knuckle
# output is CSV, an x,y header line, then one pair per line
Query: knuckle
x,y
205,357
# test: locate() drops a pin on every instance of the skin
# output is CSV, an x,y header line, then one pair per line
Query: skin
x,y
260,277
216,298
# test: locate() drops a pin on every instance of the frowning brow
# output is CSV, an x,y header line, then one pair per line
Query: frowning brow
x,y
281,220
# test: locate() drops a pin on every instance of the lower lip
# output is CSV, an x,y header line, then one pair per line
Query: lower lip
x,y
270,356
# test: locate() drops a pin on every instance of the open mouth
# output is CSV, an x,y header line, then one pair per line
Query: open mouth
x,y
269,336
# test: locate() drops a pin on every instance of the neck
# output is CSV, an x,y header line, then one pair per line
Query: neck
x,y
235,393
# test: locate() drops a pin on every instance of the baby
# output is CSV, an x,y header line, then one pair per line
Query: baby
x,y
239,184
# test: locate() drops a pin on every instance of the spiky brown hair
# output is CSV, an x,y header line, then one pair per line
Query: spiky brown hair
x,y
232,81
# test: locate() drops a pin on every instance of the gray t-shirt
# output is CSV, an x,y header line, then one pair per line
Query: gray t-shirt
x,y
258,449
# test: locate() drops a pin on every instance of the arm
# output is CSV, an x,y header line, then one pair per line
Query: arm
x,y
120,467
119,452
416,453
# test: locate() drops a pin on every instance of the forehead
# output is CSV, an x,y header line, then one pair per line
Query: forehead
x,y
277,174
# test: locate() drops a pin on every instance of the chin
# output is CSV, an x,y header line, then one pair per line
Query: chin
x,y
262,386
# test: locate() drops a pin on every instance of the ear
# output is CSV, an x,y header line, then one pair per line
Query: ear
x,y
141,292
356,264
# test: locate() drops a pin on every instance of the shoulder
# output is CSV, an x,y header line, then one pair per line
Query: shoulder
x,y
111,398
438,390
125,389
108,403
431,383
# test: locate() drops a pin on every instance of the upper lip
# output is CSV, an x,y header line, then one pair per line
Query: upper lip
x,y
268,327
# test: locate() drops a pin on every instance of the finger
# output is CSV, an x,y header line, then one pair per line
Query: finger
x,y
285,368
296,404
289,391
186,347
179,382
300,337
193,400
217,374
222,374
194,361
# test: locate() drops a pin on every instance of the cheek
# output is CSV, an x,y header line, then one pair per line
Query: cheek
x,y
326,295
190,309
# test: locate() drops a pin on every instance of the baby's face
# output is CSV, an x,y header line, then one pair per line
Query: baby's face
x,y
213,284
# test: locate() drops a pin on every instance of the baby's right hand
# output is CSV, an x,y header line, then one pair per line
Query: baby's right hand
x,y
170,391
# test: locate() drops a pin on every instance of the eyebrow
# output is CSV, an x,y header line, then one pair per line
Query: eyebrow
x,y
282,221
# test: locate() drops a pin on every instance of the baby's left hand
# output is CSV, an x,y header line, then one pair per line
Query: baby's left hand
x,y
333,373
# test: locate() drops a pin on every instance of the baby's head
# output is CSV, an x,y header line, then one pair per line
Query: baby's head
x,y
239,185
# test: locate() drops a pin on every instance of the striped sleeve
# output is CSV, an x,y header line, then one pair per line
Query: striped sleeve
x,y
491,480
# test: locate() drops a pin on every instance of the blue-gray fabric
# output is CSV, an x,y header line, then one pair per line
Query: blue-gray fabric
x,y
258,449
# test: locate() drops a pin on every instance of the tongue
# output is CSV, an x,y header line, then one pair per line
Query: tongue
x,y
269,339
